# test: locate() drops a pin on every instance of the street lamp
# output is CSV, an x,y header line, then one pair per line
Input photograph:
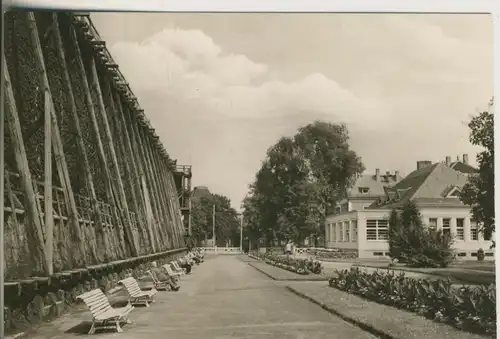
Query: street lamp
x,y
241,233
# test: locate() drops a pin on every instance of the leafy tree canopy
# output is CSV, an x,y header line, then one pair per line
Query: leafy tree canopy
x,y
226,219
479,192
300,180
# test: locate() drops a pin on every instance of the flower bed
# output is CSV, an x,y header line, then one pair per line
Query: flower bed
x,y
299,266
471,309
335,254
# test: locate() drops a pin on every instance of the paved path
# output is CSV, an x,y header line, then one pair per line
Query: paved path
x,y
226,298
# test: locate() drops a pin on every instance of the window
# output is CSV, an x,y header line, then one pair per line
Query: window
x,y
378,254
354,230
446,226
473,230
341,233
377,229
327,232
433,223
363,190
334,232
346,230
462,254
460,229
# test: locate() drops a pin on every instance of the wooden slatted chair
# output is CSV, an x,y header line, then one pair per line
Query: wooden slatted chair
x,y
136,295
177,268
104,316
159,285
170,271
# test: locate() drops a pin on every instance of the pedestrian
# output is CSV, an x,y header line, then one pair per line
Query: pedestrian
x,y
162,275
183,263
288,248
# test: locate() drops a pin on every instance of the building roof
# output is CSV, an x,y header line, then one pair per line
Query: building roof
x,y
463,167
429,185
375,187
200,192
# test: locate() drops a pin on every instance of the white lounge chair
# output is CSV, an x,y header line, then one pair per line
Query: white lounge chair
x,y
159,285
104,316
136,295
171,272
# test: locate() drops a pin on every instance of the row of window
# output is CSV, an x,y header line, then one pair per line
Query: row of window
x,y
378,229
341,231
460,222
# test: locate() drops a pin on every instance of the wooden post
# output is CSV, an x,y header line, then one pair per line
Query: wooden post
x,y
49,216
36,242
131,167
162,190
95,126
66,81
173,198
119,142
62,167
131,123
122,201
153,187
148,181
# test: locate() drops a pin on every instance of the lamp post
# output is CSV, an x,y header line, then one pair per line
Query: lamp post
x,y
241,233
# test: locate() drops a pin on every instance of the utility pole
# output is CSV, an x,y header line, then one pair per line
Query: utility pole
x,y
213,225
241,233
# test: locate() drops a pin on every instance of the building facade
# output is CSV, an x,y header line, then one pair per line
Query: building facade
x,y
434,188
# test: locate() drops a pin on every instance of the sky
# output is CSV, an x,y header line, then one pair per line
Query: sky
x,y
220,89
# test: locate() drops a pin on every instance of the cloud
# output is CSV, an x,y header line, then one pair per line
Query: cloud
x,y
191,66
403,84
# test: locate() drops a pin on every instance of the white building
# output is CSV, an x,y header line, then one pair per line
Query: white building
x,y
361,222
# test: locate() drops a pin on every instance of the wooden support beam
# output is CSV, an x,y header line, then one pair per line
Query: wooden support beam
x,y
150,184
129,122
112,66
167,191
122,201
35,239
75,120
133,170
95,125
117,148
160,189
80,253
173,200
47,161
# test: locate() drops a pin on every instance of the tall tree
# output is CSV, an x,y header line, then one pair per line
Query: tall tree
x,y
300,180
226,219
479,192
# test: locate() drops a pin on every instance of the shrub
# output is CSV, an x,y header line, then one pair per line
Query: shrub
x,y
471,309
412,243
480,254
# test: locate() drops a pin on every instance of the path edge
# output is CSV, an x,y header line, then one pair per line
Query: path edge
x,y
364,326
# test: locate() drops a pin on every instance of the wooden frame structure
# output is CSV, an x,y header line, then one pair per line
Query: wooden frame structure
x,y
94,185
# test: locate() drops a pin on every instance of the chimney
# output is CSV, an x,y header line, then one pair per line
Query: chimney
x,y
448,160
396,174
423,163
466,159
377,174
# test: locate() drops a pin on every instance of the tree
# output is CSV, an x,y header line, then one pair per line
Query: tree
x,y
301,178
226,219
479,192
414,244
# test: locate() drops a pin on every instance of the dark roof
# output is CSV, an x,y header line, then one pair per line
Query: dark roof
x,y
463,167
200,192
427,185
